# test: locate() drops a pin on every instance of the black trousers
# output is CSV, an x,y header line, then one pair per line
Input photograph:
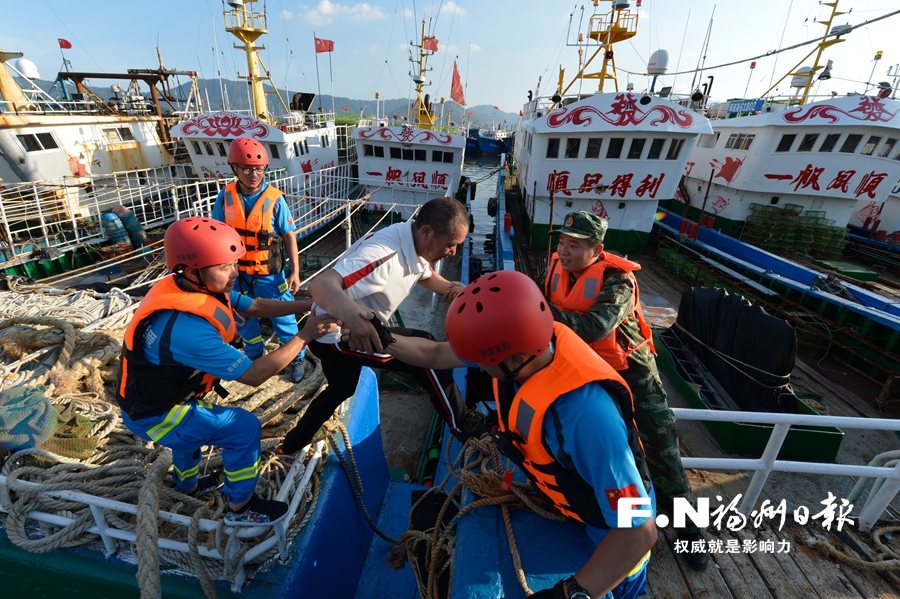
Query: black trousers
x,y
341,367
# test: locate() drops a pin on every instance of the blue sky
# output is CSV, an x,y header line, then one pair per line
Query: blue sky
x,y
502,46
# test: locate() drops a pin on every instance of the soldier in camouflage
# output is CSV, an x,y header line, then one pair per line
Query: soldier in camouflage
x,y
596,294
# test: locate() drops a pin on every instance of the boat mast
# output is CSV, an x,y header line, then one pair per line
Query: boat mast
x,y
248,26
608,29
825,43
421,113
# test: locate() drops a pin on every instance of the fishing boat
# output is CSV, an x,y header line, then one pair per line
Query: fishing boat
x,y
614,153
494,141
300,141
409,164
73,136
790,173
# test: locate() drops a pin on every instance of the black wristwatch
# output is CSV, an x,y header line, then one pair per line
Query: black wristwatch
x,y
575,590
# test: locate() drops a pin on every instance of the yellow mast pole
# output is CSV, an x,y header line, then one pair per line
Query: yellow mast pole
x,y
420,112
822,46
248,26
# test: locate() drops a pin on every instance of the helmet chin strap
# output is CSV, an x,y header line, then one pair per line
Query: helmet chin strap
x,y
201,286
511,374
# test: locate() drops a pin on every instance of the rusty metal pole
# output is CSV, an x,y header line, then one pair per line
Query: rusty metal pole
x,y
550,220
706,196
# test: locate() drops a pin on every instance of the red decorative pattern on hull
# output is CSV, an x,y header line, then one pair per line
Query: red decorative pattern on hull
x,y
869,109
624,112
225,124
407,135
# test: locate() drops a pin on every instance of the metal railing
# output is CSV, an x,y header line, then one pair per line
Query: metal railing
x,y
66,212
881,496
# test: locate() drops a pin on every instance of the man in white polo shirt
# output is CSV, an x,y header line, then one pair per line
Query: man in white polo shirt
x,y
372,278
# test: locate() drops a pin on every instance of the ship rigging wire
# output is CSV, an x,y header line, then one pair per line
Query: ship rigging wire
x,y
775,52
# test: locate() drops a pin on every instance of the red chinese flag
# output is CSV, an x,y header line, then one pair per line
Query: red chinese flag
x,y
430,43
613,495
324,46
64,44
470,114
496,108
520,113
345,109
504,121
456,88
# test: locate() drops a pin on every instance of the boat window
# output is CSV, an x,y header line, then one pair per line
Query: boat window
x,y
887,147
869,148
675,149
731,139
830,141
656,148
437,156
327,141
807,143
851,143
706,141
529,137
306,145
221,147
209,148
395,153
593,147
421,155
126,134
379,152
367,150
273,152
747,141
614,148
573,147
196,147
636,149
553,147
786,142
407,154
448,157
739,141
47,141
111,135
30,143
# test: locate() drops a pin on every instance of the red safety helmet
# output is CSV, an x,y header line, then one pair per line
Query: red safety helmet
x,y
497,315
247,151
200,242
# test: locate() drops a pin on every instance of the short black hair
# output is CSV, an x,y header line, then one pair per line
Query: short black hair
x,y
442,214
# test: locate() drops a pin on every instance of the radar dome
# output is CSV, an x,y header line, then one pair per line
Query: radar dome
x,y
801,77
27,68
658,63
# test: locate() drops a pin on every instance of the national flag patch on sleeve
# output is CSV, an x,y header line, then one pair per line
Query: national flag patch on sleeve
x,y
613,495
291,220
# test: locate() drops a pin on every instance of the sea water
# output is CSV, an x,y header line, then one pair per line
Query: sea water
x,y
477,168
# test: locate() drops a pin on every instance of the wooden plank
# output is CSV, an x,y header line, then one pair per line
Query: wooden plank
x,y
706,584
783,578
739,572
862,547
828,581
865,584
664,578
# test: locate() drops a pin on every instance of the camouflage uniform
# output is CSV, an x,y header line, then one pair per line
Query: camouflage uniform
x,y
655,421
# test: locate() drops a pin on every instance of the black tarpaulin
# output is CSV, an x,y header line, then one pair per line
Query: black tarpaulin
x,y
749,352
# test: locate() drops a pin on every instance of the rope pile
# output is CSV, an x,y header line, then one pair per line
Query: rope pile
x,y
79,334
480,467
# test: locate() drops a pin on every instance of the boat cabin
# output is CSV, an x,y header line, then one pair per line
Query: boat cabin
x,y
613,154
303,143
840,156
408,166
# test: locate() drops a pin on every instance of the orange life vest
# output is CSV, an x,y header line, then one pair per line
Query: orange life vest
x,y
583,294
263,255
521,422
146,389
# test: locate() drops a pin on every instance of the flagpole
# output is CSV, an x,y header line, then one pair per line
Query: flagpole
x,y
331,76
319,81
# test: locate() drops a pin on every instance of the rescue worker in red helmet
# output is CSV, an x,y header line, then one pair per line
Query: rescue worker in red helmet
x,y
258,212
176,350
564,417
